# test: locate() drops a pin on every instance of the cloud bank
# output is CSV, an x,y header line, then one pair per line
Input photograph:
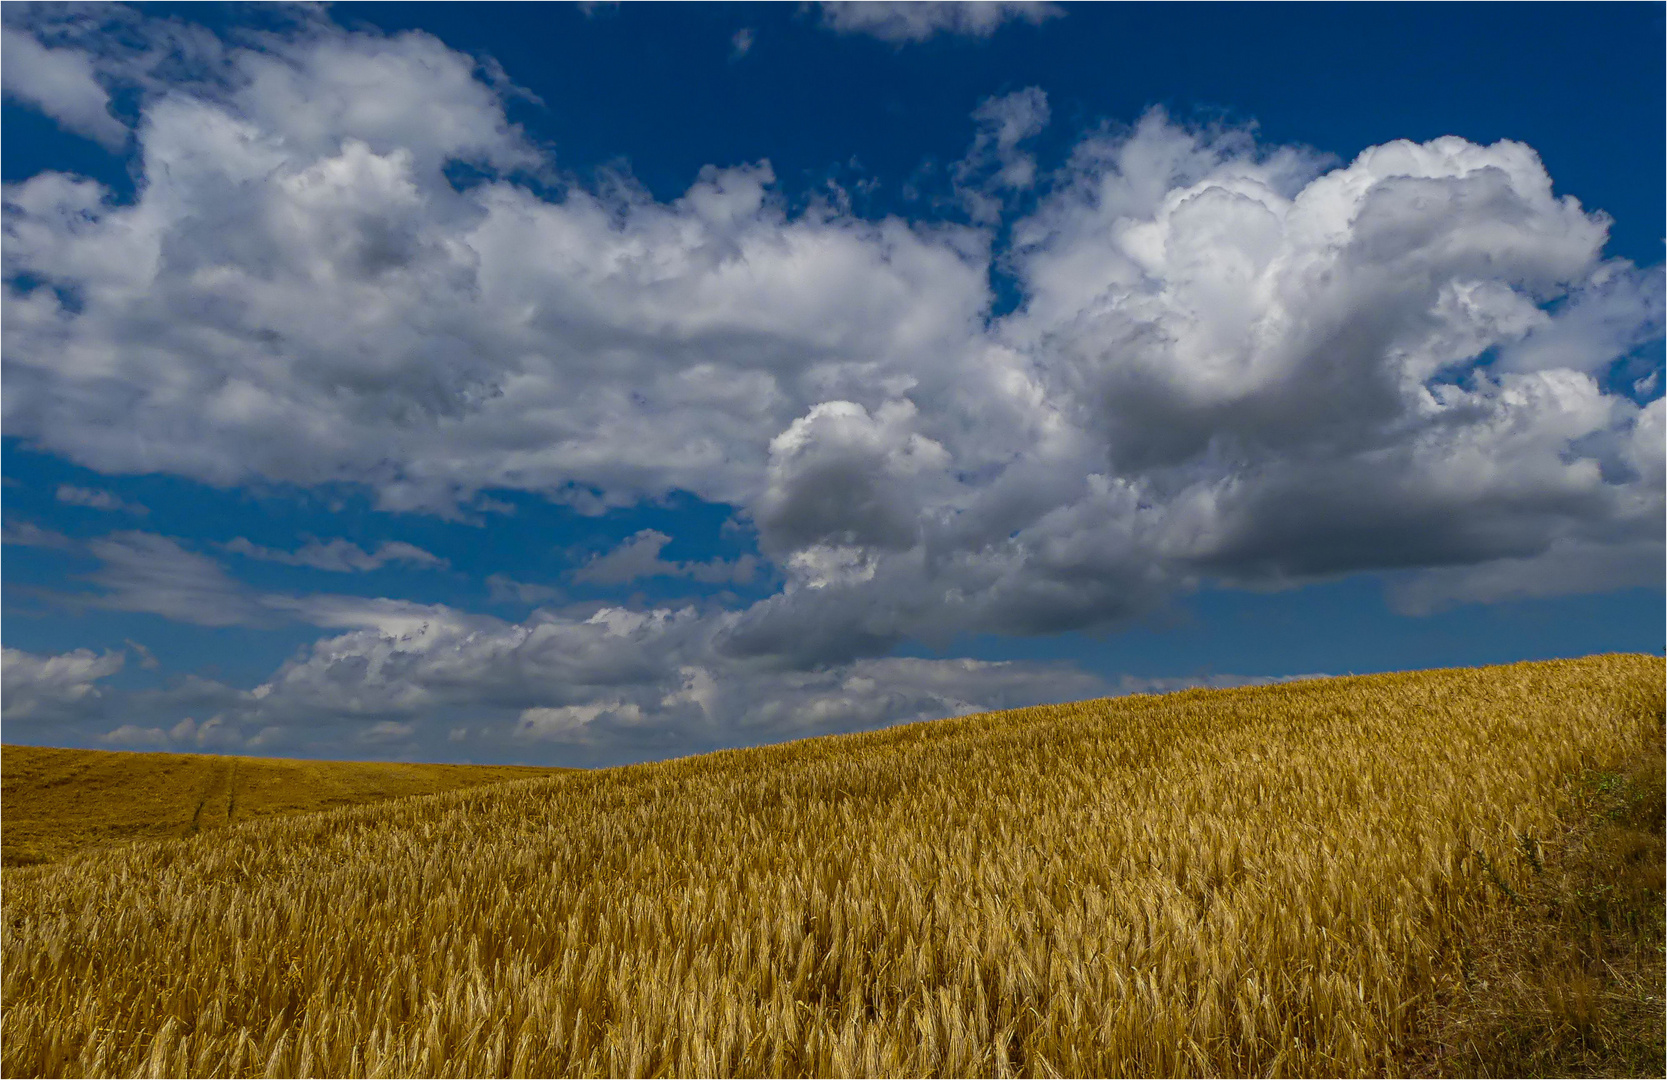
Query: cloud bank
x,y
1231,363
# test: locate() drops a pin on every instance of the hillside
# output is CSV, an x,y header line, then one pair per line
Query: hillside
x,y
1434,872
56,802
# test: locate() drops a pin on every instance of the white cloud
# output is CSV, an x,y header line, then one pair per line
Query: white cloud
x,y
571,722
28,534
619,684
920,20
995,166
638,557
596,685
741,44
155,574
1169,684
338,311
96,499
56,687
1569,566
60,83
1230,362
1617,310
840,476
340,556
147,572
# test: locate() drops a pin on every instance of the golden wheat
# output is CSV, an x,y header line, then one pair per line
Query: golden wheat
x,y
1213,882
59,802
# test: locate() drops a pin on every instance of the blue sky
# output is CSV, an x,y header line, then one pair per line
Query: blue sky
x,y
580,385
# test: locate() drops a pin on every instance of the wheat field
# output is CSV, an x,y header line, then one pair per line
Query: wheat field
x,y
56,802
1258,881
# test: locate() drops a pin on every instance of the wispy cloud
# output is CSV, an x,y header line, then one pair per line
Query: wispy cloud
x,y
28,534
339,556
639,557
159,575
149,573
96,499
147,659
60,82
913,22
741,43
504,589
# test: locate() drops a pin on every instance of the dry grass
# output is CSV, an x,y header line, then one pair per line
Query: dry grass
x,y
1280,880
1568,979
55,803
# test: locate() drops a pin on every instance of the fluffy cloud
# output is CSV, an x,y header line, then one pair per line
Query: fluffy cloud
x,y
840,478
908,22
328,307
1230,363
604,686
54,688
601,685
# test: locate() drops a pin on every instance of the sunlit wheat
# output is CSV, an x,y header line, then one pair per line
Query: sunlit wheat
x,y
1215,882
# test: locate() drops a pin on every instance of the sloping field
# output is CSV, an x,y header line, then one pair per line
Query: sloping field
x,y
56,802
1279,880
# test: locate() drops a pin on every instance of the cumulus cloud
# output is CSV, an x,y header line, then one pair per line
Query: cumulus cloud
x,y
96,499
58,687
347,314
901,23
339,556
609,685
1230,363
840,477
599,685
